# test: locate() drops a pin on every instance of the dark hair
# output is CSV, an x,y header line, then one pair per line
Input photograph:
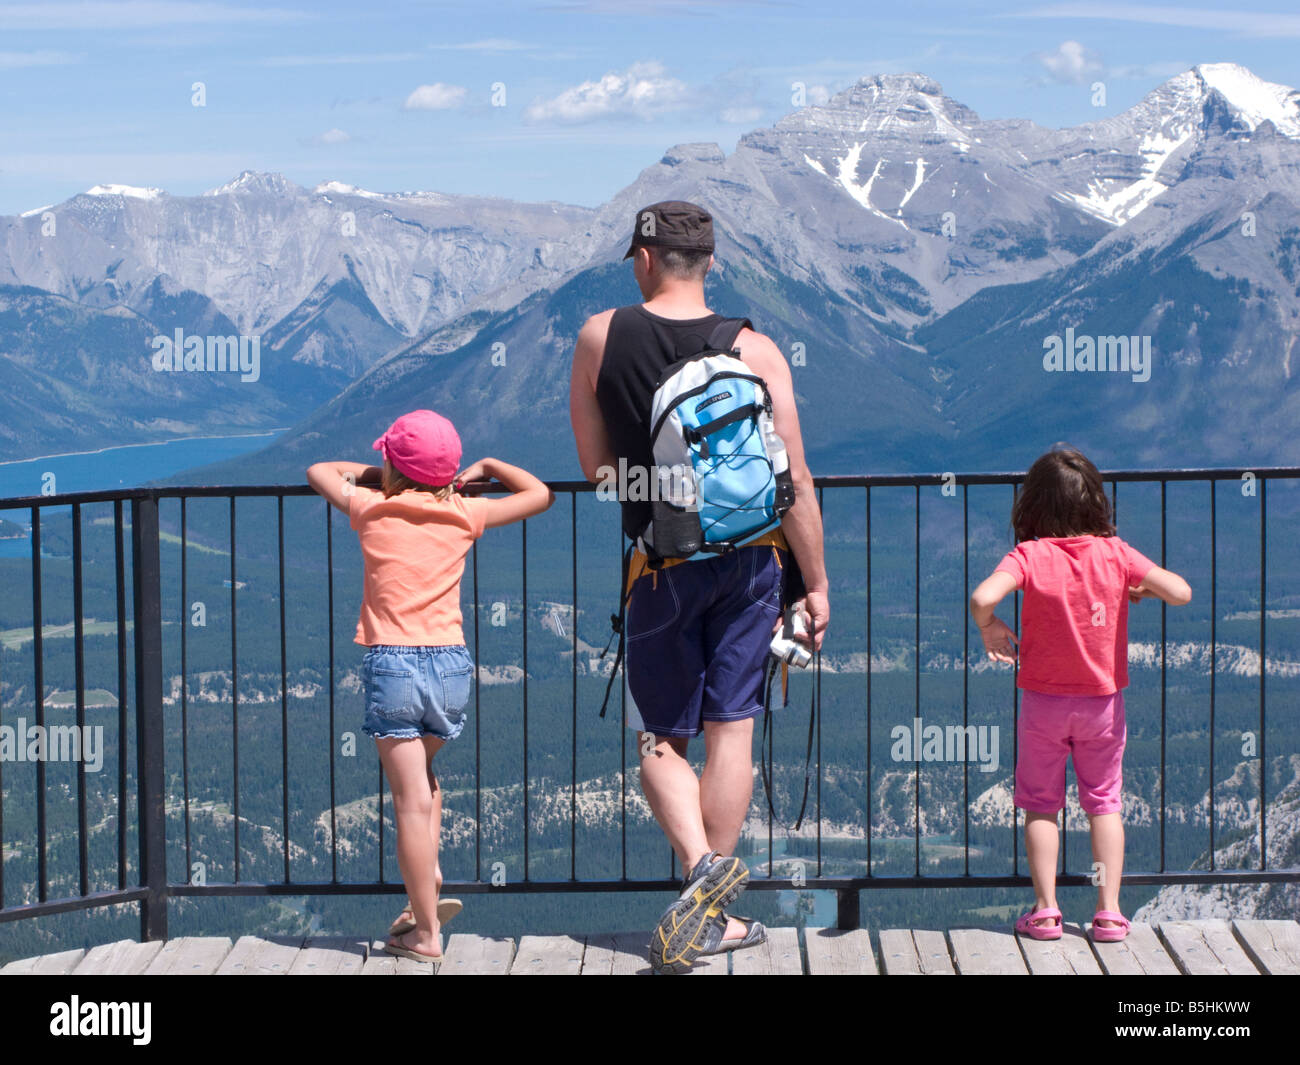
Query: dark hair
x,y
687,264
1063,495
395,482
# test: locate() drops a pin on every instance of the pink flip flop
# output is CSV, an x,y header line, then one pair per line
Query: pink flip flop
x,y
1025,925
1109,935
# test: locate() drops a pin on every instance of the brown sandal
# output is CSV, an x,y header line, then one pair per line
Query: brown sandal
x,y
447,909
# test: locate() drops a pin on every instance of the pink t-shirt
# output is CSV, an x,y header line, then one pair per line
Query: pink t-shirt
x,y
414,548
1074,622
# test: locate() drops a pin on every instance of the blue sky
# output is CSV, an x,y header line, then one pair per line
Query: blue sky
x,y
397,94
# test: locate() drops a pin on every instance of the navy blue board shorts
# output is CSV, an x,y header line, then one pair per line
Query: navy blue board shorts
x,y
415,691
697,635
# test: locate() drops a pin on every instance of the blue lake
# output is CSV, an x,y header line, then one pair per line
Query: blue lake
x,y
114,467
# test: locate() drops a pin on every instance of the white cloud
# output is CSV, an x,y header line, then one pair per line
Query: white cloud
x,y
489,45
136,14
335,136
1242,23
436,97
338,60
818,94
642,90
741,116
1071,63
17,60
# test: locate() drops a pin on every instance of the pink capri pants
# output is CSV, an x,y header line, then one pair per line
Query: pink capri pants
x,y
1088,728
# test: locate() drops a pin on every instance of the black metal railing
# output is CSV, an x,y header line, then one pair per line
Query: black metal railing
x,y
144,775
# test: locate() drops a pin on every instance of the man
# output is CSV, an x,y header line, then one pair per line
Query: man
x,y
697,630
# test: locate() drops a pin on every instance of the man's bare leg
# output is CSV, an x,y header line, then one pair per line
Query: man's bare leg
x,y
726,787
673,792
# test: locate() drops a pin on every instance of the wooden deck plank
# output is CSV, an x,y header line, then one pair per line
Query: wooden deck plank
x,y
380,963
1239,947
1141,953
898,952
779,956
329,956
548,956
256,956
45,964
471,955
126,957
1274,946
190,956
714,965
1205,948
933,953
986,952
835,952
1068,956
616,954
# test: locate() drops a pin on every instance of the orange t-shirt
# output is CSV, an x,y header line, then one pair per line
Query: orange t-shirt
x,y
414,549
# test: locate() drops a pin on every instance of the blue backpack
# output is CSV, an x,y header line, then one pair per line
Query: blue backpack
x,y
721,475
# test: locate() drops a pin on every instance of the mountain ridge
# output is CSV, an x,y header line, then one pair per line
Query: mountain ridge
x,y
869,230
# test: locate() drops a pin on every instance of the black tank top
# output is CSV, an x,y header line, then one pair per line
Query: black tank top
x,y
638,348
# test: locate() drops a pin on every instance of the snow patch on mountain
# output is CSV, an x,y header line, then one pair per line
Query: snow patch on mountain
x,y
129,191
1118,205
846,175
343,189
916,182
1253,98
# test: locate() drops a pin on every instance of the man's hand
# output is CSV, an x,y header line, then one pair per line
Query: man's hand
x,y
816,607
998,640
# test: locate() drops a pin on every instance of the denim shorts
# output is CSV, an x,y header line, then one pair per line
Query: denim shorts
x,y
415,691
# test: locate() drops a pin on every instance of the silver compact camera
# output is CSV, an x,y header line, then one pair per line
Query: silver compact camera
x,y
785,647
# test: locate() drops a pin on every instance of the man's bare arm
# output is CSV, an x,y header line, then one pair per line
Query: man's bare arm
x,y
802,523
594,449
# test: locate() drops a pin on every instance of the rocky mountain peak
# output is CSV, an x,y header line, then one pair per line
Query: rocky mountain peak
x,y
252,181
699,152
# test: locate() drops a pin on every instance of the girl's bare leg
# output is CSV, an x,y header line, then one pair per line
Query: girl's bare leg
x,y
406,767
1042,843
1108,852
431,747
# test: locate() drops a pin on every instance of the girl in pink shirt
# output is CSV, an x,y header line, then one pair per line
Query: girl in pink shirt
x,y
415,529
1078,578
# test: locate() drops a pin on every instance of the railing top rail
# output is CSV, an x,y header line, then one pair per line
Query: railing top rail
x,y
881,480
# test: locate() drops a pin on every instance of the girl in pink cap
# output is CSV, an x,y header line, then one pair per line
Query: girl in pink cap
x,y
1078,578
415,528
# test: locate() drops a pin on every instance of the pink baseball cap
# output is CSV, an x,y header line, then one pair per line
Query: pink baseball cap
x,y
422,445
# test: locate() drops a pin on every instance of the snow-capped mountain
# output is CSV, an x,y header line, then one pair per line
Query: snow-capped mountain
x,y
259,246
917,251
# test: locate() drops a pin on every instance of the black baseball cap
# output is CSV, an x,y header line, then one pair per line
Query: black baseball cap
x,y
672,224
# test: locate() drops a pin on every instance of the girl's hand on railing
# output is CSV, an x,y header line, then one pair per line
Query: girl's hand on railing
x,y
999,640
476,471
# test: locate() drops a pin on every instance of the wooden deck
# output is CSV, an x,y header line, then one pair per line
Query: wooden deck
x,y
1193,948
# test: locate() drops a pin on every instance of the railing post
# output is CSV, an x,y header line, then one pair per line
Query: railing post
x,y
848,911
147,613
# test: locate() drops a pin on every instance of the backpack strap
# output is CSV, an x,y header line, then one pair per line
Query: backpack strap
x,y
617,624
792,590
723,337
766,768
